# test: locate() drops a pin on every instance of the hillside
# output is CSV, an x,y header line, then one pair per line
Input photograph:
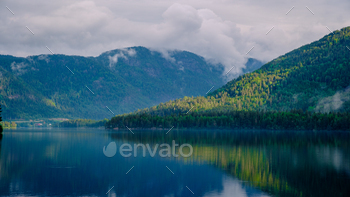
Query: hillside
x,y
314,78
124,80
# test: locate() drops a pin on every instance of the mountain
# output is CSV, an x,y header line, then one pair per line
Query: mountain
x,y
124,80
314,78
252,65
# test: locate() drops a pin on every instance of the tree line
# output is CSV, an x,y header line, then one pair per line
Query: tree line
x,y
82,123
291,120
7,124
0,120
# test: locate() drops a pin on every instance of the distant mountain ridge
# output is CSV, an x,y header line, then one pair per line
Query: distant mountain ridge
x,y
314,78
117,81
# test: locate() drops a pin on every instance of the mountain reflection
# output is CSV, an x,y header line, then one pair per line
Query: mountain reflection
x,y
281,163
224,163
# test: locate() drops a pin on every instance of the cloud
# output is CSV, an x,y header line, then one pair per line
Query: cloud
x,y
166,53
123,53
333,103
19,68
221,31
202,32
44,57
182,18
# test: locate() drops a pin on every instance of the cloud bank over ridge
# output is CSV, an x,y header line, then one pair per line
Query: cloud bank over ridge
x,y
221,31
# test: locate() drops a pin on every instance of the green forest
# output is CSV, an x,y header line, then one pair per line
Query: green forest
x,y
305,89
82,123
313,79
42,86
0,120
8,125
291,120
5,124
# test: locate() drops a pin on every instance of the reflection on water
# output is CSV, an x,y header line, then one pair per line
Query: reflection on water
x,y
70,162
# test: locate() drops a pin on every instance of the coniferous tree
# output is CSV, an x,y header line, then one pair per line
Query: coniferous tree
x,y
0,120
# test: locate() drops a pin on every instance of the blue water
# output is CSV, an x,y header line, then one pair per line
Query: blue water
x,y
71,162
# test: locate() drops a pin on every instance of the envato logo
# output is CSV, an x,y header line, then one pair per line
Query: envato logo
x,y
126,150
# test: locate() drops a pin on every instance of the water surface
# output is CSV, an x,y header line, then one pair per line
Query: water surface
x,y
70,162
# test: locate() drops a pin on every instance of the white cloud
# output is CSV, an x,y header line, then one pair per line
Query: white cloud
x,y
19,68
335,102
219,30
166,54
44,57
123,53
182,19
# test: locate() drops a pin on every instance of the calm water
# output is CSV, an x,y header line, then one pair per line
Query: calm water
x,y
71,162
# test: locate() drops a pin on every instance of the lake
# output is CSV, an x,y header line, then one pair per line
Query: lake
x,y
73,162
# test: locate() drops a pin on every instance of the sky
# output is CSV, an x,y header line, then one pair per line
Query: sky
x,y
221,31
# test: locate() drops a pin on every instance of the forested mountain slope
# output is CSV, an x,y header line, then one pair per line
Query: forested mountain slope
x,y
124,80
314,77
